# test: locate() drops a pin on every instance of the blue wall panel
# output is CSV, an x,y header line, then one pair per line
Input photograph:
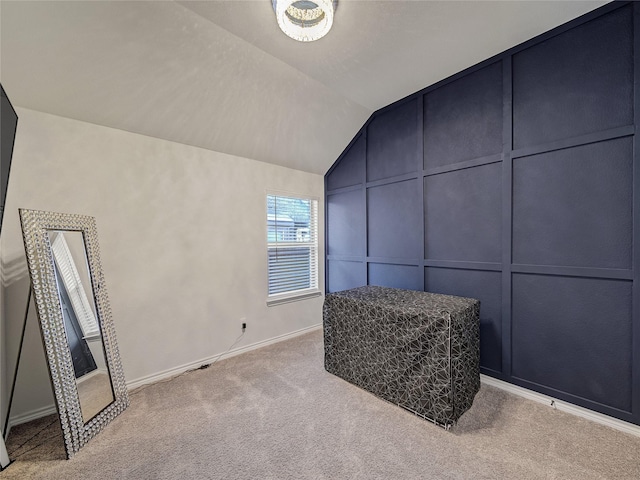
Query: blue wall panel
x,y
574,335
573,206
575,83
345,226
514,182
463,119
463,214
350,170
486,287
343,275
392,220
392,142
395,276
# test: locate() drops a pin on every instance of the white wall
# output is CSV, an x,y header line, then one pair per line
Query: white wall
x,y
182,237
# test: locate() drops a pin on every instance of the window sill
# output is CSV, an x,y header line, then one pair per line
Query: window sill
x,y
287,298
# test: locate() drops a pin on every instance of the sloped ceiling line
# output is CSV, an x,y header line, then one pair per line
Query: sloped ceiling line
x,y
221,76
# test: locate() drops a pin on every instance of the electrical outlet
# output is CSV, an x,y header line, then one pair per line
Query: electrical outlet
x,y
244,326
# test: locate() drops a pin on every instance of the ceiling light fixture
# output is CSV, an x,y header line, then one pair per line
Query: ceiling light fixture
x,y
304,20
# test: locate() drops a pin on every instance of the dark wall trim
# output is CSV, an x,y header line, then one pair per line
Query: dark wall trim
x,y
636,220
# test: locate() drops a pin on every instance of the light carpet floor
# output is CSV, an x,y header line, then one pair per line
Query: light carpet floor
x,y
275,413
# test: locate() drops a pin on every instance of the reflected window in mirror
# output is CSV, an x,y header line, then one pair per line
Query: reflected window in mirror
x,y
81,325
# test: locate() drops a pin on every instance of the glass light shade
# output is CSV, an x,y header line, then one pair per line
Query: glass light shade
x,y
304,20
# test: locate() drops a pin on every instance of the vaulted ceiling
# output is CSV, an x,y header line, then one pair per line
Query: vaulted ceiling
x,y
220,75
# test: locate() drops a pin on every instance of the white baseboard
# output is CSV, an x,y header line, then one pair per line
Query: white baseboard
x,y
552,402
563,406
48,410
32,415
172,372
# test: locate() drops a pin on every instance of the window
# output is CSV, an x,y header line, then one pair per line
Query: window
x,y
292,248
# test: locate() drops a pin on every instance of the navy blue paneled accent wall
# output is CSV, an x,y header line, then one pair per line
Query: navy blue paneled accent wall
x,y
514,182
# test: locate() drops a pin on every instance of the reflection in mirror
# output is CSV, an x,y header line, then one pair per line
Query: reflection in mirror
x,y
75,322
81,324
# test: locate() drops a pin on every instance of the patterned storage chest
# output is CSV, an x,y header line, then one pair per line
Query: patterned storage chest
x,y
418,350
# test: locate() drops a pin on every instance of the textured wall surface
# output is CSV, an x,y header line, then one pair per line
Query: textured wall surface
x,y
513,182
182,235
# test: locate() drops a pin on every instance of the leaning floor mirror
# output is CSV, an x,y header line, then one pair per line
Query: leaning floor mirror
x,y
75,321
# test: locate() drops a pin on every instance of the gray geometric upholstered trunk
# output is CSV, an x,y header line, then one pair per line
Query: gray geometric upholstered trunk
x,y
418,350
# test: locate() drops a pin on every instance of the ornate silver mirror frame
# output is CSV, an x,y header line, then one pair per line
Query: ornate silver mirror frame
x,y
37,228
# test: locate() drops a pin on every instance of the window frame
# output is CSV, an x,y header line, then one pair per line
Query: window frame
x,y
303,294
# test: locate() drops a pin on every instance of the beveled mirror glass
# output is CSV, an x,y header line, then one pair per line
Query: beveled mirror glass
x,y
75,322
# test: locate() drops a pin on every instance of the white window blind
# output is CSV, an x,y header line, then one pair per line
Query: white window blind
x,y
73,285
292,245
